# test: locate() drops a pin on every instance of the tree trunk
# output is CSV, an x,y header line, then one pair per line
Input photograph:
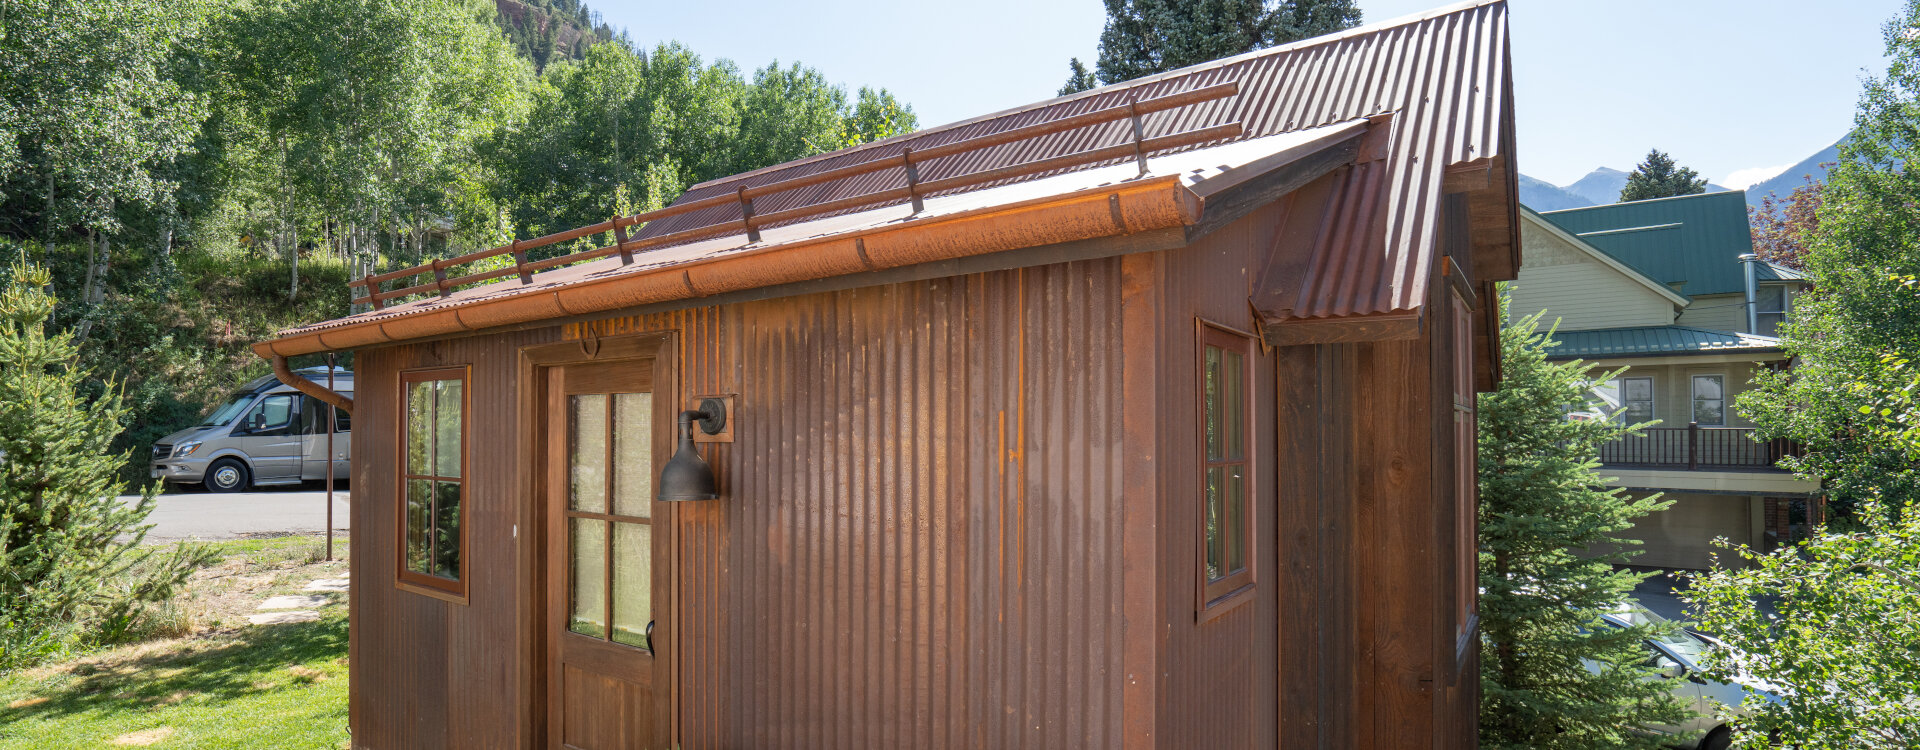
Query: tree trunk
x,y
293,260
94,290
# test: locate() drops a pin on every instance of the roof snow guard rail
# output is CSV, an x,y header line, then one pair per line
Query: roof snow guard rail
x,y
752,222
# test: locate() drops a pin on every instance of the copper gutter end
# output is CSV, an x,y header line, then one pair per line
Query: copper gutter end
x,y
1104,211
303,385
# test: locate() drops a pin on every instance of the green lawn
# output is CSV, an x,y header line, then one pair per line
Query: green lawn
x,y
227,686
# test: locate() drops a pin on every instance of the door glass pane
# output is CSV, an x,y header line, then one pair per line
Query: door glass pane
x,y
587,431
587,548
633,454
632,582
450,395
1211,367
1215,559
1236,511
419,428
419,515
1233,403
446,530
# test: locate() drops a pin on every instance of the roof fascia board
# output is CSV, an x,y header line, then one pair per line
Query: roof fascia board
x,y
1701,357
1611,262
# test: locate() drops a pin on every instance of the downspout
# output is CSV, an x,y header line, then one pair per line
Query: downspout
x,y
1751,262
303,385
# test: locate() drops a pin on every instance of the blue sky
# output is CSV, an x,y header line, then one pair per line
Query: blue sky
x,y
1737,89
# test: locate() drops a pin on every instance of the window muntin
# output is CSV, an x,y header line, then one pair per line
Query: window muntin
x,y
1225,492
1709,400
433,479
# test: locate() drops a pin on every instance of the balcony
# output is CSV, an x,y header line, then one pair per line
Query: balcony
x,y
1697,448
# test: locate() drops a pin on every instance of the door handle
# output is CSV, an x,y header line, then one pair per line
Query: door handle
x,y
649,635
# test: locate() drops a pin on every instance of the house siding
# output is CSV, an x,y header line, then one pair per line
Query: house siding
x,y
1580,290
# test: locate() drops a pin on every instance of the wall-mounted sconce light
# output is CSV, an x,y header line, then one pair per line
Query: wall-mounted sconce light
x,y
687,475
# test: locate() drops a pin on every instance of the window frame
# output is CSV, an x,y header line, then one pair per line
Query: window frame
x,y
1653,398
1216,597
452,590
1760,314
1693,400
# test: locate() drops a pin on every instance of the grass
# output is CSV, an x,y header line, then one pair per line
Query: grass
x,y
224,684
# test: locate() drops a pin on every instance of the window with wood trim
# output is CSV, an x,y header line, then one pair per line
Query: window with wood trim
x,y
1226,563
1710,400
1466,457
433,479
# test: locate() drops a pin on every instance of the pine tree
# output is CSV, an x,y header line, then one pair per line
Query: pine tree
x,y
1078,78
1552,675
1143,37
1659,177
72,570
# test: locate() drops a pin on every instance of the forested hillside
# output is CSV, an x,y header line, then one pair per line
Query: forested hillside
x,y
199,174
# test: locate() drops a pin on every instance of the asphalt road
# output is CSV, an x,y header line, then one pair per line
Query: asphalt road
x,y
209,516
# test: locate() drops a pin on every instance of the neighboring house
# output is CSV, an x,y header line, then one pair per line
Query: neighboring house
x,y
1659,287
1051,428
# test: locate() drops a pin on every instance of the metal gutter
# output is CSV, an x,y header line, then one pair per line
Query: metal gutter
x,y
286,375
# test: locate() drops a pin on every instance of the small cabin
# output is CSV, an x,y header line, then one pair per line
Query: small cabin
x,y
1141,417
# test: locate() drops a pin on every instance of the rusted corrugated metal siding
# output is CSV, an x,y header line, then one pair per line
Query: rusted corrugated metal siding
x,y
1442,76
920,544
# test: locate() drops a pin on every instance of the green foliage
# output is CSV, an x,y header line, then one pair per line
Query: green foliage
x,y
1553,676
1658,177
1078,78
92,109
1143,37
72,571
1860,309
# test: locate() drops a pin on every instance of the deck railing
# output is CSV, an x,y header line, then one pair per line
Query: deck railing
x,y
908,161
1696,447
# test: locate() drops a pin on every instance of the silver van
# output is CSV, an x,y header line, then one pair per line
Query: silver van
x,y
267,434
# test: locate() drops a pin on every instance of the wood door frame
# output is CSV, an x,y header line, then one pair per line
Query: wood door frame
x,y
530,535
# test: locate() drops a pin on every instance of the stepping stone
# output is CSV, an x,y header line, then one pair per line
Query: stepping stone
x,y
330,585
295,601
282,618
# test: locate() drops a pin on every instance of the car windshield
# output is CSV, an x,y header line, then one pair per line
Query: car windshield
x,y
227,411
1679,641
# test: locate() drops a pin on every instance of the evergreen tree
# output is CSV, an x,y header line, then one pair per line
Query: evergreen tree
x,y
1078,78
1552,675
1659,177
1143,37
72,570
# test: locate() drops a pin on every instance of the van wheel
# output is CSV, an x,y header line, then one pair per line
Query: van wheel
x,y
228,475
1718,739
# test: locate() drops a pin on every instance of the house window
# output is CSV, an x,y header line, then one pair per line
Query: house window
x,y
433,479
1226,550
1636,397
1466,473
1770,309
1709,400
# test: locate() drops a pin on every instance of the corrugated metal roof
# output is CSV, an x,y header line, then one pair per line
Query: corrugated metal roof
x,y
1697,239
1777,272
1444,75
1656,341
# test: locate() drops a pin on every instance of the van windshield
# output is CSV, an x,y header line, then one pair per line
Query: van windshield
x,y
227,411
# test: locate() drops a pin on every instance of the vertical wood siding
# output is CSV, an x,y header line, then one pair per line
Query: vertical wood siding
x,y
919,543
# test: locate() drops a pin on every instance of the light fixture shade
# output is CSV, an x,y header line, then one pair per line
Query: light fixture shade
x,y
687,476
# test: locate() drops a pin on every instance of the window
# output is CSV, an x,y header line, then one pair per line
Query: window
x,y
1466,475
273,415
1636,397
1709,400
1770,309
313,417
433,479
1226,550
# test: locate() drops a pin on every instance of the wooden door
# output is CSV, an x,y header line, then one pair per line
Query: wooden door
x,y
609,566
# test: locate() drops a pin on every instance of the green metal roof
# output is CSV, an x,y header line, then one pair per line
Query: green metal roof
x,y
1655,341
1697,239
1777,272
